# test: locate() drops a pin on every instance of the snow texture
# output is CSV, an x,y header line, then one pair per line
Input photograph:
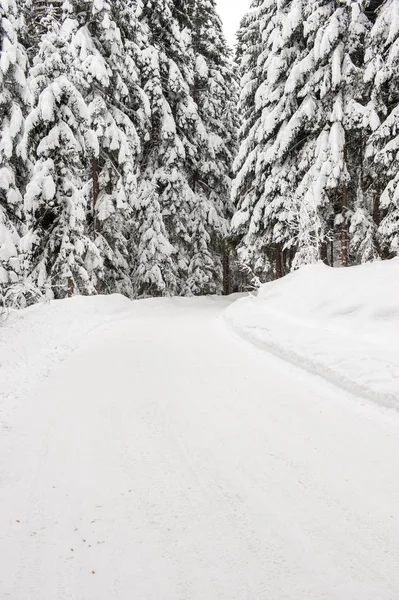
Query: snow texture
x,y
34,340
342,324
166,458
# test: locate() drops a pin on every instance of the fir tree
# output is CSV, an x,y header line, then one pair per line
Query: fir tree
x,y
248,50
155,270
106,49
382,119
333,182
267,170
214,91
168,148
188,78
60,259
14,100
299,170
38,17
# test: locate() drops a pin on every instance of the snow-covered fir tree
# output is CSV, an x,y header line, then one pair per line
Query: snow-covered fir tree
x,y
165,193
105,47
188,78
14,100
382,119
300,167
331,191
60,260
277,116
38,17
214,90
248,49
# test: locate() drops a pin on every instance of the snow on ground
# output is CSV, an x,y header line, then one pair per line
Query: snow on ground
x,y
33,341
342,324
166,458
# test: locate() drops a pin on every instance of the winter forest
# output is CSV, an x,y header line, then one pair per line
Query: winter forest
x,y
140,155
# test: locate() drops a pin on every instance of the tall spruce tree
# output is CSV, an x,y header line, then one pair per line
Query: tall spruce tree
x,y
248,50
382,74
105,47
214,90
330,197
14,100
267,170
300,175
188,77
166,200
60,259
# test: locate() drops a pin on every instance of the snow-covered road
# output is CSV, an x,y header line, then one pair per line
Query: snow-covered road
x,y
168,459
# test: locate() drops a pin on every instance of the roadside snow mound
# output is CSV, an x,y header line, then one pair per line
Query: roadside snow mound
x,y
342,324
34,340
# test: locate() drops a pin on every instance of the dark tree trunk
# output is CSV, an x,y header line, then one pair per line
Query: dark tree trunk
x,y
96,187
226,272
71,287
324,253
345,227
377,221
345,222
279,263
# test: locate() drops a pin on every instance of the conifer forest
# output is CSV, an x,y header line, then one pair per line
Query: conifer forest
x,y
140,155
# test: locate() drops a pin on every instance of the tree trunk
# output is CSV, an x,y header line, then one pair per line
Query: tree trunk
x,y
377,221
226,272
96,187
71,287
279,263
324,253
284,261
345,228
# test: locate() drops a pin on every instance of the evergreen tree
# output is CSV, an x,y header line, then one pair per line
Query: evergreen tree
x,y
299,171
188,78
38,17
168,148
60,259
156,272
331,190
382,118
248,50
267,170
14,100
214,91
106,48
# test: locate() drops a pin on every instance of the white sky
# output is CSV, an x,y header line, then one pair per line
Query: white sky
x,y
232,12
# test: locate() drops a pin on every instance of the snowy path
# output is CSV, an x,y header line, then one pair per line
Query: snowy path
x,y
168,459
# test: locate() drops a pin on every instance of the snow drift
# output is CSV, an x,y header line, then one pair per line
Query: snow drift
x,y
34,340
342,324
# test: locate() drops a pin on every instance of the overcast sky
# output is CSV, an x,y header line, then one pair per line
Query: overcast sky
x,y
232,12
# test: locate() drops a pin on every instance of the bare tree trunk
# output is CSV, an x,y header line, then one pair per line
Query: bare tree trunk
x,y
345,227
96,187
226,271
71,287
324,253
284,262
279,263
377,220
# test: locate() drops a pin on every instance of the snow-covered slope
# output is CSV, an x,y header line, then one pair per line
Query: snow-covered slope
x,y
34,340
342,324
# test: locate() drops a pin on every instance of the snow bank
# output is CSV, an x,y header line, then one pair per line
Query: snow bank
x,y
34,340
342,324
